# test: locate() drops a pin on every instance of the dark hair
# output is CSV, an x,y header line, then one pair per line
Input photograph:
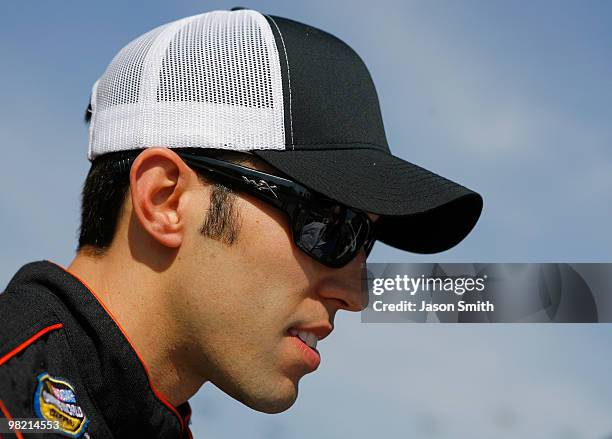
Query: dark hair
x,y
106,187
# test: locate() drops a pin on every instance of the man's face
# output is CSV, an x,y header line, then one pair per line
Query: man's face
x,y
242,304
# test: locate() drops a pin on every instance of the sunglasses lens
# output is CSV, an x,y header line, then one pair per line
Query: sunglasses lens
x,y
331,234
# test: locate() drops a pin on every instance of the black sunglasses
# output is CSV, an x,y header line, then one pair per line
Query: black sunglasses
x,y
325,230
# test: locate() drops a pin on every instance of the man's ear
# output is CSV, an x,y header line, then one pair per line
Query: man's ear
x,y
158,183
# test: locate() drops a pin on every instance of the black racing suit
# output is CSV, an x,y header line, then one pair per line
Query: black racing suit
x,y
65,362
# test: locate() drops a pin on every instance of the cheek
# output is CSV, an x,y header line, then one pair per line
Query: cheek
x,y
265,279
255,285
267,245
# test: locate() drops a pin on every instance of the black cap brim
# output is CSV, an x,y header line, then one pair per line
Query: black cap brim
x,y
421,212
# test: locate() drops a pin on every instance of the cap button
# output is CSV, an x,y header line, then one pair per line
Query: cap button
x,y
237,8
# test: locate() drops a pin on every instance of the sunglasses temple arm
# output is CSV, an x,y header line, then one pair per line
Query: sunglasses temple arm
x,y
252,184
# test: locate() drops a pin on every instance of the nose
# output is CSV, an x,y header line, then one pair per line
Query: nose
x,y
346,286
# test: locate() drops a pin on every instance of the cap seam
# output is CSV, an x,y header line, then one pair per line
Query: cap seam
x,y
288,79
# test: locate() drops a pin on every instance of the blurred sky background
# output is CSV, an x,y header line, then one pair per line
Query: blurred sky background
x,y
510,98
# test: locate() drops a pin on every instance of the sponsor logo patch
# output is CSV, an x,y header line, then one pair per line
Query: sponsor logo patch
x,y
55,400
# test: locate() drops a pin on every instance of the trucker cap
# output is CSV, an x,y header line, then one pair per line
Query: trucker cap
x,y
294,95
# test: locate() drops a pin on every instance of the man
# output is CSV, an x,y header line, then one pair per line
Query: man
x,y
240,176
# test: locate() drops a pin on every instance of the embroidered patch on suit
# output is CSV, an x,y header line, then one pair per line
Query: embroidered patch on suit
x,y
55,400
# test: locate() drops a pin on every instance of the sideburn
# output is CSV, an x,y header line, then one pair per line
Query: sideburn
x,y
222,221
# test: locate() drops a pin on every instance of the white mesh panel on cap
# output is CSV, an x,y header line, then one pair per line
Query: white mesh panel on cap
x,y
208,81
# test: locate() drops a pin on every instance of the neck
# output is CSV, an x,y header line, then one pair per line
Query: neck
x,y
133,294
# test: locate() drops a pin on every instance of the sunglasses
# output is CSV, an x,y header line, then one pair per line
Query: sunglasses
x,y
327,231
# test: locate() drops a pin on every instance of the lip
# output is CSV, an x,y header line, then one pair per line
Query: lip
x,y
311,356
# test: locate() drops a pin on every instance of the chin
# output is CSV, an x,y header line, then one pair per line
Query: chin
x,y
273,406
269,399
